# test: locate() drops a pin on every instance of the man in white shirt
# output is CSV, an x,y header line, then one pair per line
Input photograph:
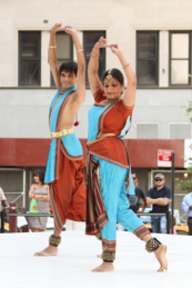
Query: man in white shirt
x,y
187,208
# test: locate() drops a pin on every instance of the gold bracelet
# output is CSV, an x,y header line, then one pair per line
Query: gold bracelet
x,y
126,65
94,55
52,47
80,50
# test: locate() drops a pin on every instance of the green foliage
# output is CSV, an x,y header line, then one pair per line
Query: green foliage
x,y
189,110
186,184
189,107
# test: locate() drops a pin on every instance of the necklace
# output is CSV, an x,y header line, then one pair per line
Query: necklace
x,y
111,101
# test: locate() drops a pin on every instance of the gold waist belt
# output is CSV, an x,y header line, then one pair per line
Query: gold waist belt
x,y
102,137
59,134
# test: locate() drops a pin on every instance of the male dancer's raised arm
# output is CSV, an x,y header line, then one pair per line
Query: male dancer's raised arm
x,y
52,54
79,94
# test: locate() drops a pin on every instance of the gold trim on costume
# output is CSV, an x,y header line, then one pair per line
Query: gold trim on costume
x,y
102,137
59,134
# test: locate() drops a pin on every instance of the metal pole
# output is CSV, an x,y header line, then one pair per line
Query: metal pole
x,y
168,221
24,186
2,221
172,188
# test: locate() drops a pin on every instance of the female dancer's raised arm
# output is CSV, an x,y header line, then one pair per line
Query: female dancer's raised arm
x,y
93,67
129,97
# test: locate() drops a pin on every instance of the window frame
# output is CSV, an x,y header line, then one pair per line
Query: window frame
x,y
148,123
87,58
157,60
30,59
189,59
178,123
63,59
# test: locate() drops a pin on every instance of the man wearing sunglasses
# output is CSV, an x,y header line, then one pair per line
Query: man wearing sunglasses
x,y
159,197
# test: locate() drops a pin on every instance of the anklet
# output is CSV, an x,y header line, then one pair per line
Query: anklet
x,y
152,245
54,241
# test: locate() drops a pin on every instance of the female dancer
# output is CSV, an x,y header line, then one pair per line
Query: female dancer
x,y
109,165
40,192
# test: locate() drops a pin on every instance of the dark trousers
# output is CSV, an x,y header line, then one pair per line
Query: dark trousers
x,y
190,225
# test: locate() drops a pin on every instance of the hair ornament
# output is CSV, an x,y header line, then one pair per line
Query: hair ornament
x,y
109,76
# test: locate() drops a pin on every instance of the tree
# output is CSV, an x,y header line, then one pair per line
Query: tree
x,y
186,185
189,110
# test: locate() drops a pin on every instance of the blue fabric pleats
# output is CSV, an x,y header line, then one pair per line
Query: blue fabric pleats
x,y
70,141
115,199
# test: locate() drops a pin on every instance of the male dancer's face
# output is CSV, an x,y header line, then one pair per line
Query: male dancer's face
x,y
68,79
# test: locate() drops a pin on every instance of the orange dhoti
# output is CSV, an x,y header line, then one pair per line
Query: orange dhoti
x,y
68,192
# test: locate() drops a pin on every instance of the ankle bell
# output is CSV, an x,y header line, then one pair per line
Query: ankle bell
x,y
152,245
54,241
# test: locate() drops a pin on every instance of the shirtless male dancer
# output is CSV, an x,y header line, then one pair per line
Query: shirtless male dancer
x,y
65,164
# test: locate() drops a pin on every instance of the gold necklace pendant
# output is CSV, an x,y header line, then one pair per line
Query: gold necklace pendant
x,y
110,101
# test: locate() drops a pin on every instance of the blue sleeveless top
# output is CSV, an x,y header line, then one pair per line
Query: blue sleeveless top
x,y
70,141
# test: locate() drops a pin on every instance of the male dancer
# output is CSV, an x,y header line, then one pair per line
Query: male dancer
x,y
65,165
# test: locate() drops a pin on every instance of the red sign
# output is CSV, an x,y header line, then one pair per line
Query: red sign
x,y
164,158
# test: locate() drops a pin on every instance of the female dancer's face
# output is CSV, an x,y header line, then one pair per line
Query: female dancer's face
x,y
113,89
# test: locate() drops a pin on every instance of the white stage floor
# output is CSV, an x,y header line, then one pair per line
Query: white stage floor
x,y
134,267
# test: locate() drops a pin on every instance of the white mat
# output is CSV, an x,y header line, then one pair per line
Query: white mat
x,y
134,267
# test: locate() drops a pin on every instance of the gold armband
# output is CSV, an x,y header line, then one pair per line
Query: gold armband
x,y
52,47
94,55
126,65
80,50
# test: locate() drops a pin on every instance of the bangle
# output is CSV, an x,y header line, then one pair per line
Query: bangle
x,y
51,47
126,65
80,50
94,55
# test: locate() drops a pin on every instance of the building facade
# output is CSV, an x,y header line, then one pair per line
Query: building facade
x,y
156,37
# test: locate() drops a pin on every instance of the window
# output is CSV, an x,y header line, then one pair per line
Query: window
x,y
147,130
64,50
29,58
147,58
180,130
89,40
179,58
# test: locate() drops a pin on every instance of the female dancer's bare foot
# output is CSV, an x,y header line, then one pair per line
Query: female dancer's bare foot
x,y
160,253
104,267
49,251
99,255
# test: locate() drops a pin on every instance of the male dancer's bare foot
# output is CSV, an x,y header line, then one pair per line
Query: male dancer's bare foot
x,y
104,267
49,251
160,253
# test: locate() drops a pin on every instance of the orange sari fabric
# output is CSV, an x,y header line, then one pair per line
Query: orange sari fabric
x,y
112,120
